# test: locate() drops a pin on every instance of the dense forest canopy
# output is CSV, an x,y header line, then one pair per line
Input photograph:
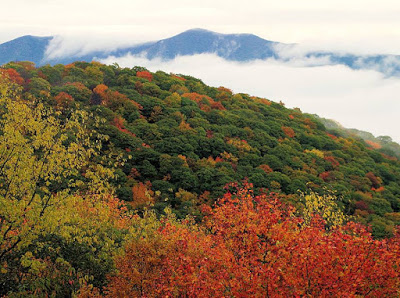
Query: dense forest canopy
x,y
104,167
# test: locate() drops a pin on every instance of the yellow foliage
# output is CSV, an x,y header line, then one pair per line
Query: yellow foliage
x,y
316,152
185,195
241,145
41,157
173,100
229,157
325,206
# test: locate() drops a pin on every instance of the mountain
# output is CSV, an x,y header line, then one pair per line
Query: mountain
x,y
234,47
237,47
25,48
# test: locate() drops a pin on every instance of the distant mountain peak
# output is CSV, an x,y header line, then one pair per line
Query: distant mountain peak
x,y
234,47
27,47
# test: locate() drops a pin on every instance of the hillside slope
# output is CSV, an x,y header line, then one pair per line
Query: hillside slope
x,y
177,142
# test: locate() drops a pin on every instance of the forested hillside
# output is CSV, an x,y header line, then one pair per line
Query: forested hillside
x,y
383,144
186,189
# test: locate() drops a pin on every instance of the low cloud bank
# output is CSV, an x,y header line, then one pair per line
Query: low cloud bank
x,y
362,99
78,45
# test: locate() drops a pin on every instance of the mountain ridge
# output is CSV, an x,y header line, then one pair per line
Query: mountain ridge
x,y
27,47
243,47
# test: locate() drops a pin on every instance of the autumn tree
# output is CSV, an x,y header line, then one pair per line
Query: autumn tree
x,y
41,166
145,75
255,246
12,75
63,100
326,206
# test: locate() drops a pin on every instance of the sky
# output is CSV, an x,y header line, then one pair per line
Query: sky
x,y
360,99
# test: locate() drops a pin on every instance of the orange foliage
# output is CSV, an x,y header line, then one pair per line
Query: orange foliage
x,y
241,145
195,96
100,90
184,159
27,65
134,173
205,102
63,99
326,176
309,123
177,77
333,137
205,198
118,122
261,100
373,144
12,75
110,98
217,106
173,263
142,195
42,75
224,89
224,94
219,159
331,159
145,75
144,145
266,168
379,189
67,68
70,65
288,131
389,157
255,246
376,181
184,126
78,85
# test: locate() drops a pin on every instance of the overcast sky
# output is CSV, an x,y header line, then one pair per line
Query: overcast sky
x,y
361,99
354,24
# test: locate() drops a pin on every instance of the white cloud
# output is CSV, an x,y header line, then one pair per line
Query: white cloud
x,y
362,99
77,45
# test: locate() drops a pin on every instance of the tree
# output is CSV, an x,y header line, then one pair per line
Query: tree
x,y
255,246
324,206
12,75
145,75
43,160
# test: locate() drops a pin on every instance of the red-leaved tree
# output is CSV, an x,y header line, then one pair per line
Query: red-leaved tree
x,y
256,246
